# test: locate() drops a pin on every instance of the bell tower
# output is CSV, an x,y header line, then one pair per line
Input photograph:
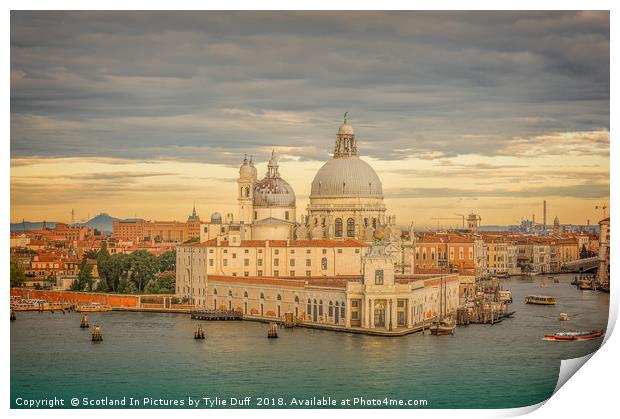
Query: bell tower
x,y
245,190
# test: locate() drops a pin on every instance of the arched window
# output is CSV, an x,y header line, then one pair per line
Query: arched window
x,y
262,296
365,222
338,227
374,223
309,308
324,264
350,227
214,291
320,307
331,309
342,310
279,297
230,293
296,299
245,294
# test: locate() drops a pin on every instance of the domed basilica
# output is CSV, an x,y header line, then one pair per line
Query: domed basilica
x,y
346,199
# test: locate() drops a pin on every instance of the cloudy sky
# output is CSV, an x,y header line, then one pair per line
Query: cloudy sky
x,y
144,113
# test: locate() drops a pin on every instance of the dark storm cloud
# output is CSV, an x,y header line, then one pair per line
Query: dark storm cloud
x,y
209,86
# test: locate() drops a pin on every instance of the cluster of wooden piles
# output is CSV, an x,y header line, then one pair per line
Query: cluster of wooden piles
x,y
485,307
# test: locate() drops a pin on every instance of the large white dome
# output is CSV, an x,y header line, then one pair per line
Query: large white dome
x,y
346,177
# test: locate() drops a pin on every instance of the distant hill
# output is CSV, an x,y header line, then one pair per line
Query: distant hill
x,y
31,225
102,222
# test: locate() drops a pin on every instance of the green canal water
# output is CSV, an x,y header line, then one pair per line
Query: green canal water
x,y
155,355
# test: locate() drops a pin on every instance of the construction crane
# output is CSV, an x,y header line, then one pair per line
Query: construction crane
x,y
462,217
444,218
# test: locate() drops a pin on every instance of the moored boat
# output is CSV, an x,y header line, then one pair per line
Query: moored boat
x,y
442,329
585,284
38,305
505,296
94,307
540,300
562,336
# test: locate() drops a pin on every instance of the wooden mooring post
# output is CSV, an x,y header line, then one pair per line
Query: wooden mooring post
x,y
199,332
97,336
272,332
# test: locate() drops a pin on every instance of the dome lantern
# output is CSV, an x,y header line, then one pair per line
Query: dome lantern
x,y
345,140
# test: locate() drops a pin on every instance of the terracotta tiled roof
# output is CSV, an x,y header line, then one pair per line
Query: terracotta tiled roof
x,y
299,283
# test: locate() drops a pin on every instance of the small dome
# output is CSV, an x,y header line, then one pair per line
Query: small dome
x,y
216,218
273,192
350,176
247,169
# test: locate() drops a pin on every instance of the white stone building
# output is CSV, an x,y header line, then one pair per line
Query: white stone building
x,y
324,270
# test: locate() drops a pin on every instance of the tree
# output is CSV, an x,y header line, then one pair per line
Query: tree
x,y
91,254
167,281
126,286
143,266
85,277
103,267
165,284
116,267
585,253
18,278
168,261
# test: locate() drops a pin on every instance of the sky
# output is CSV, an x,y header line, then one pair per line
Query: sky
x,y
143,114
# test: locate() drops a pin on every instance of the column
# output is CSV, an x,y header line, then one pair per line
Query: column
x,y
348,313
390,324
371,314
409,313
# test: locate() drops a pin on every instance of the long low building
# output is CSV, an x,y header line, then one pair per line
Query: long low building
x,y
362,295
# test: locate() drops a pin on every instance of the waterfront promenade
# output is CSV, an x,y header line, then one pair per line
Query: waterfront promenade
x,y
144,303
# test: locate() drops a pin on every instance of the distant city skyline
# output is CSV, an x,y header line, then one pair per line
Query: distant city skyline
x,y
144,113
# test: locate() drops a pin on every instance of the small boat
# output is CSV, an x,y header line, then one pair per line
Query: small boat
x,y
540,300
94,307
590,334
442,328
505,296
563,317
585,284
